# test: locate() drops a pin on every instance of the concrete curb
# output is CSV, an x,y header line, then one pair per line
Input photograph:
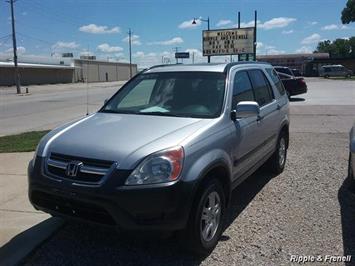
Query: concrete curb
x,y
20,246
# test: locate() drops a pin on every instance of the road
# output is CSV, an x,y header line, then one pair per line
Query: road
x,y
51,105
48,106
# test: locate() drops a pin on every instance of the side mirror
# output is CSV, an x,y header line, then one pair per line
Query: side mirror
x,y
245,109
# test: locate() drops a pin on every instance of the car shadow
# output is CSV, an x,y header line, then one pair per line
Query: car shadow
x,y
246,191
297,99
88,244
346,199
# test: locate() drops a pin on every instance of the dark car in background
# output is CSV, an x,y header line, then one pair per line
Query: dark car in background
x,y
285,70
296,72
293,85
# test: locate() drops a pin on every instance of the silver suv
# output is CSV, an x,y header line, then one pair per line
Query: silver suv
x,y
166,150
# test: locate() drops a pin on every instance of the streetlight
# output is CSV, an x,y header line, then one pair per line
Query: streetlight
x,y
208,28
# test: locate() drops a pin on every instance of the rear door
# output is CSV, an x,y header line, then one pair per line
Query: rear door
x,y
245,139
268,121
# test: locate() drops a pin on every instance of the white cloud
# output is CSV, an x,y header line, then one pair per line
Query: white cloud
x,y
313,23
65,45
20,50
86,53
275,51
188,24
280,22
95,29
287,31
135,39
173,41
304,50
223,22
106,48
314,38
335,27
247,24
259,45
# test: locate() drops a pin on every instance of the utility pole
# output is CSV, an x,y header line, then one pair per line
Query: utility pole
x,y
130,52
238,28
176,50
17,74
193,57
255,25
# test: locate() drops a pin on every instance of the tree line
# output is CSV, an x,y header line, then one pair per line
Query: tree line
x,y
341,48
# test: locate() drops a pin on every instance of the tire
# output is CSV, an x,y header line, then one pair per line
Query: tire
x,y
350,171
351,175
277,161
206,222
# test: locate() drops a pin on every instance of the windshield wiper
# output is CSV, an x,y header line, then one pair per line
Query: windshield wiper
x,y
160,114
118,111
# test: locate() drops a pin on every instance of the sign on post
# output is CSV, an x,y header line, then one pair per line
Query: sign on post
x,y
182,55
228,41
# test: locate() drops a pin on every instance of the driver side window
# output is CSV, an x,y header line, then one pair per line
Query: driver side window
x,y
242,89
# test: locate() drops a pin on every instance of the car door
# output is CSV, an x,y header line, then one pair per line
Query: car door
x,y
246,129
268,122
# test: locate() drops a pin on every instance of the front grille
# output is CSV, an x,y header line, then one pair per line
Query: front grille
x,y
71,207
89,171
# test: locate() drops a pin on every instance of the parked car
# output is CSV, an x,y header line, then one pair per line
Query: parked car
x,y
285,70
293,85
296,72
166,150
351,168
334,71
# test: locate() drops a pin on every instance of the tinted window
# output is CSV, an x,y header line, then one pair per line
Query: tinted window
x,y
242,89
261,87
185,94
285,70
275,78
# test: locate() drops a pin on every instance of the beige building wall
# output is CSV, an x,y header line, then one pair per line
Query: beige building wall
x,y
101,71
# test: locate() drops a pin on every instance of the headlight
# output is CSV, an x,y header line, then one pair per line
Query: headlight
x,y
35,156
160,167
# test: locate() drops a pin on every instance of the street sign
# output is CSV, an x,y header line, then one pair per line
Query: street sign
x,y
182,55
228,41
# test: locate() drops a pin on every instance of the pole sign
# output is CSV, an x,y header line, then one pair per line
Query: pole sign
x,y
228,41
182,55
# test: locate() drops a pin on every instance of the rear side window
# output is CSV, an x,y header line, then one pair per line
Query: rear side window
x,y
262,90
276,80
242,88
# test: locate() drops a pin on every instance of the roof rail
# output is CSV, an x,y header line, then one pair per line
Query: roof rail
x,y
230,65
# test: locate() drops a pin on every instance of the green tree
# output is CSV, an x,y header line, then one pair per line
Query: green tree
x,y
341,47
352,46
338,48
325,47
348,13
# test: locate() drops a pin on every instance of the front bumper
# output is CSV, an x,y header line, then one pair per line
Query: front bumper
x,y
161,206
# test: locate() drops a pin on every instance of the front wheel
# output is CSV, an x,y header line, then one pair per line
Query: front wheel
x,y
206,220
278,159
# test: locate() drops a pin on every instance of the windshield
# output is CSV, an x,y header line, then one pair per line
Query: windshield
x,y
183,94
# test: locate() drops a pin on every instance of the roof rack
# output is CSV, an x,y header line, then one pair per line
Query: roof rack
x,y
230,65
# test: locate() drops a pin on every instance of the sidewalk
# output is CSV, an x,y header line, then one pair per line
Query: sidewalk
x,y
22,228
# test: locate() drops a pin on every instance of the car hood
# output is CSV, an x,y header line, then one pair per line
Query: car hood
x,y
124,138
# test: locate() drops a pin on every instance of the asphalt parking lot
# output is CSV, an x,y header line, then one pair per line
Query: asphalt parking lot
x,y
307,210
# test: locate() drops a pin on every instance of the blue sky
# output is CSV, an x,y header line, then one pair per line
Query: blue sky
x,y
100,27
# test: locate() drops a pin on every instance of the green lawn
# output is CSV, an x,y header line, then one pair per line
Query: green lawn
x,y
21,142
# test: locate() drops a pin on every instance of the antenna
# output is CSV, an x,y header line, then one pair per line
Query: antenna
x,y
87,84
